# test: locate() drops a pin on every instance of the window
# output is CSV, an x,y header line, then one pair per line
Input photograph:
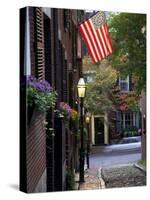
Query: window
x,y
128,119
67,19
89,77
27,62
124,84
130,123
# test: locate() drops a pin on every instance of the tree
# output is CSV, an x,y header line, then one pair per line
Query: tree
x,y
128,33
128,101
98,99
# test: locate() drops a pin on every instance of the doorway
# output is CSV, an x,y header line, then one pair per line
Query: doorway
x,y
99,130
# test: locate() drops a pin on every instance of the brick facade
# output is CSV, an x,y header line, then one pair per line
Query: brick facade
x,y
53,57
35,151
143,122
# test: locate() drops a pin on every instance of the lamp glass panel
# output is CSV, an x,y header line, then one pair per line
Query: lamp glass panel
x,y
81,92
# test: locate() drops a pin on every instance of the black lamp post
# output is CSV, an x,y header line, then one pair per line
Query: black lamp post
x,y
87,120
81,94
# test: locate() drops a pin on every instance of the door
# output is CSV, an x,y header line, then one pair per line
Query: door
x,y
99,130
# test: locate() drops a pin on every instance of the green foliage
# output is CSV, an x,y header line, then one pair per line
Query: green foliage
x,y
41,101
129,101
98,92
77,135
129,131
70,180
142,162
74,125
128,33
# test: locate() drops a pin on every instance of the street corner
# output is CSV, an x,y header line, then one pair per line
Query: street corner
x,y
93,180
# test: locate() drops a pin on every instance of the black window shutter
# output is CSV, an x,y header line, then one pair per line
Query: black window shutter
x,y
32,40
65,81
118,121
67,16
64,74
39,30
130,83
47,48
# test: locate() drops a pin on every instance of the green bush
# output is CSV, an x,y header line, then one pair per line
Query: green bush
x,y
70,180
129,131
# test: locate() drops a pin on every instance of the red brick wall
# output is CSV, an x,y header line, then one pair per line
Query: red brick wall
x,y
36,151
66,37
36,135
143,122
69,43
143,103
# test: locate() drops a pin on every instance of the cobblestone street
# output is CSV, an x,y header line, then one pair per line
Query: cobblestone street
x,y
123,176
114,166
114,176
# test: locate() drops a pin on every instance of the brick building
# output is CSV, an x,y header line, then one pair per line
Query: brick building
x,y
50,49
143,123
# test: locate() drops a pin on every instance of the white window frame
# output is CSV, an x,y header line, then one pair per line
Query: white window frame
x,y
123,119
27,62
126,80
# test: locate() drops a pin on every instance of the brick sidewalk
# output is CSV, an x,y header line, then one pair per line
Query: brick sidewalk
x,y
93,180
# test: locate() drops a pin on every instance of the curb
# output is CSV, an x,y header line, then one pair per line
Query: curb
x,y
140,168
77,184
126,150
97,182
101,181
116,150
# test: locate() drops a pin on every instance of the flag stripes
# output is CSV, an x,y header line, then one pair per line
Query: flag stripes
x,y
96,36
90,35
88,43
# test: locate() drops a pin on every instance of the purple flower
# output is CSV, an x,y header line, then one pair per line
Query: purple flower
x,y
39,85
65,107
45,86
31,79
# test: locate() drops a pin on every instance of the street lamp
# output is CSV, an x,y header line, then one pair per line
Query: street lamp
x,y
81,88
87,120
81,94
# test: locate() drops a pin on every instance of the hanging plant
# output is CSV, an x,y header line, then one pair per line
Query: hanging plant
x,y
65,110
69,114
74,120
40,94
74,115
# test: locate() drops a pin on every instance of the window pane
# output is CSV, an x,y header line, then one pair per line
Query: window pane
x,y
124,86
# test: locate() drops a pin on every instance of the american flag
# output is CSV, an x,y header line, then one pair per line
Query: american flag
x,y
96,36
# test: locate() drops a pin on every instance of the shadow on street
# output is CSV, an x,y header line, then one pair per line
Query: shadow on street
x,y
102,156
